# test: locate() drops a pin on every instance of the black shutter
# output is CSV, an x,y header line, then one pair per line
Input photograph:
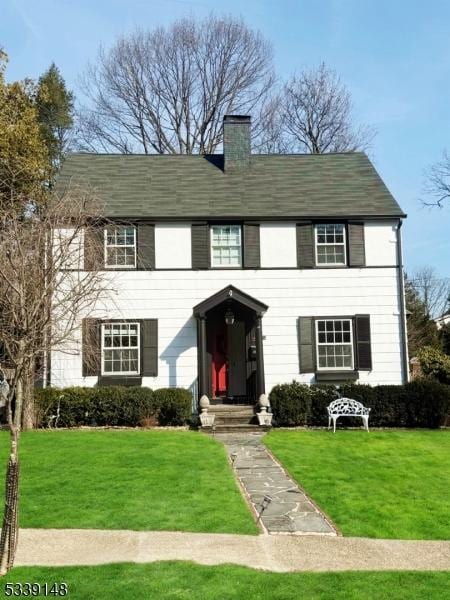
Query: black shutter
x,y
251,246
91,347
145,246
200,245
306,344
362,340
356,250
149,347
305,245
94,248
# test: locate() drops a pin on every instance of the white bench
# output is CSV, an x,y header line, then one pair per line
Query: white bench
x,y
346,407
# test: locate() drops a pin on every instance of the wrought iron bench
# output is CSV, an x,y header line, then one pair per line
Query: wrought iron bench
x,y
346,407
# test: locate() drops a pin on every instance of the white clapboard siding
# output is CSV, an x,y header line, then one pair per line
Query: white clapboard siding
x,y
173,246
278,245
380,243
170,296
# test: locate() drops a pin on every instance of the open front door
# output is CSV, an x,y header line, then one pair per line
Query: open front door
x,y
228,360
237,366
219,362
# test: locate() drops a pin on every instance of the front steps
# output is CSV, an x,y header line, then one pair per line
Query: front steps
x,y
226,413
230,418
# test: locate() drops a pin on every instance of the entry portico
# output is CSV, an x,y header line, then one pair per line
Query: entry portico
x,y
230,346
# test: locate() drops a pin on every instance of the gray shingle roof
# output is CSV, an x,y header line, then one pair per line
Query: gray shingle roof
x,y
274,186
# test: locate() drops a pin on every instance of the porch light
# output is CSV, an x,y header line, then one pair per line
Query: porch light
x,y
229,317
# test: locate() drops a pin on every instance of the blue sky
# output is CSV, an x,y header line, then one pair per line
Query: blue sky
x,y
393,56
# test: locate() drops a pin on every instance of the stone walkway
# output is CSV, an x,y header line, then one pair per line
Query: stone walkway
x,y
280,553
273,495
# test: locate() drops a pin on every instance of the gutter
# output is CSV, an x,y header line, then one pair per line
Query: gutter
x,y
235,218
401,290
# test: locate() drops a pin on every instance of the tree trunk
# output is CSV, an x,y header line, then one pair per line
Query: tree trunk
x,y
10,526
28,415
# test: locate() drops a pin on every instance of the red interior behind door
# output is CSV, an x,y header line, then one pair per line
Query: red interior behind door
x,y
219,363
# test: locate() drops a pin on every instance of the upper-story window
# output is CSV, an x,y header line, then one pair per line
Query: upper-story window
x,y
226,246
334,344
120,349
120,247
330,244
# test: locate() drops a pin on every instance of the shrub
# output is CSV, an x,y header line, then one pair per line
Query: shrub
x,y
113,405
387,403
121,406
174,405
290,403
428,403
67,407
321,396
421,403
139,403
434,363
44,401
106,406
391,406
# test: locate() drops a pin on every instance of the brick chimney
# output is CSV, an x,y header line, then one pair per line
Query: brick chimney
x,y
236,142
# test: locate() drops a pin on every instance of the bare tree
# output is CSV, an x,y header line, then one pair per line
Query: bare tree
x,y
422,330
43,294
317,115
434,291
437,182
269,137
167,90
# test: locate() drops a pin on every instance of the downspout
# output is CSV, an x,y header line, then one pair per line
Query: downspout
x,y
47,375
401,291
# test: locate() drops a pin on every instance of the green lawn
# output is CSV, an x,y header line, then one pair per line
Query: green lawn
x,y
183,580
154,480
389,484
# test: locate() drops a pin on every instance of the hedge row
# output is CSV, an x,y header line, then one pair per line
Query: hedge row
x,y
115,405
421,403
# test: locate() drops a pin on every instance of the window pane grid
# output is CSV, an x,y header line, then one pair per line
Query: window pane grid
x,y
334,344
120,353
226,246
330,244
120,246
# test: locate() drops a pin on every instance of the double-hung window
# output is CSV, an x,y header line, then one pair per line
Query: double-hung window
x,y
120,247
226,246
120,348
330,244
334,344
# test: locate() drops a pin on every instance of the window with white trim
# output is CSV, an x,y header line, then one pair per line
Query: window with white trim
x,y
120,247
120,348
226,246
334,344
330,244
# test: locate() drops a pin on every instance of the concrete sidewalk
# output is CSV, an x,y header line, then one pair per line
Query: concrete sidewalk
x,y
281,553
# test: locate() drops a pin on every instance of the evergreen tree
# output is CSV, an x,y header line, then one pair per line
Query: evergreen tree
x,y
24,165
55,106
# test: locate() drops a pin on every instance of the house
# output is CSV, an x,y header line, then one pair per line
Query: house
x,y
237,272
442,320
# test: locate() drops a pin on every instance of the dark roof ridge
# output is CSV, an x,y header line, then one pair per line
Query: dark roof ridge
x,y
218,154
